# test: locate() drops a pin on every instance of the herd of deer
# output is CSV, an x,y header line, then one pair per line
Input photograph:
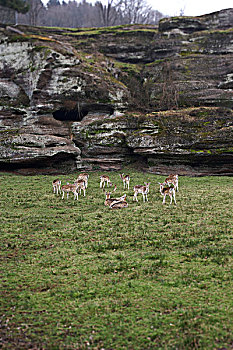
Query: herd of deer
x,y
167,188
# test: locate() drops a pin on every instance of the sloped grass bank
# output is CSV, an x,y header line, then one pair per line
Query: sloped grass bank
x,y
77,275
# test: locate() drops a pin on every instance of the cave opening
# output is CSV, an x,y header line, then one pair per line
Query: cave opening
x,y
77,113
74,115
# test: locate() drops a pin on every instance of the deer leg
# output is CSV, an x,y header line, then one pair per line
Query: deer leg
x,y
174,197
164,197
170,198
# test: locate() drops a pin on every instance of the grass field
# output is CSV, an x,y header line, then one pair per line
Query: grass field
x,y
78,275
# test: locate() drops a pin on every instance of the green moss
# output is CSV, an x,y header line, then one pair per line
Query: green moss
x,y
185,53
128,67
201,151
115,30
156,62
9,131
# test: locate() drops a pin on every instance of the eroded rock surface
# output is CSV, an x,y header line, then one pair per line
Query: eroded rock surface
x,y
104,97
195,141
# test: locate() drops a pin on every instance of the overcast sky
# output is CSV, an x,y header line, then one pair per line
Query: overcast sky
x,y
189,7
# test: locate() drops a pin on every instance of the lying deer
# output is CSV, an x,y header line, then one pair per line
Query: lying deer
x,y
126,180
144,190
104,179
172,179
70,188
57,186
166,190
115,203
119,205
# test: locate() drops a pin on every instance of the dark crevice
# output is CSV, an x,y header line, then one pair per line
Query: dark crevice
x,y
75,115
63,162
79,112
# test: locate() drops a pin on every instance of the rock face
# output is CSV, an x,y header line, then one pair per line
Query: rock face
x,y
217,20
101,98
195,141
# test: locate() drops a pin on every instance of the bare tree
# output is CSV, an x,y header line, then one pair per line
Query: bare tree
x,y
109,13
32,16
73,14
135,11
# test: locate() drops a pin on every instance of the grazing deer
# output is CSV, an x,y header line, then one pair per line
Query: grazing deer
x,y
81,186
115,203
84,177
165,190
144,190
126,180
104,179
172,179
70,188
57,186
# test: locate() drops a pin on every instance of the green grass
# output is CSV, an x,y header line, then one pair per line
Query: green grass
x,y
77,275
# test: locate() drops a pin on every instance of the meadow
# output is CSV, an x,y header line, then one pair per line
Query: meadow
x,y
78,275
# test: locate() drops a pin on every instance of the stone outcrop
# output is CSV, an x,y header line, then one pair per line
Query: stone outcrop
x,y
214,21
195,141
104,97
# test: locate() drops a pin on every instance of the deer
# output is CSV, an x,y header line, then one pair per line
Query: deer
x,y
81,186
172,179
84,177
115,203
70,188
56,186
126,180
104,179
143,189
166,190
119,205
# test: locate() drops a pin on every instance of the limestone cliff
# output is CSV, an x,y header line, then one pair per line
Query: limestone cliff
x,y
102,97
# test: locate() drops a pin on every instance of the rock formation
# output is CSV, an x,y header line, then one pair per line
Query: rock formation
x,y
104,97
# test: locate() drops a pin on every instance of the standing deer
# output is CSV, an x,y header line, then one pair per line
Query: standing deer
x,y
165,190
81,186
172,179
70,188
126,180
144,190
84,177
104,179
57,186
